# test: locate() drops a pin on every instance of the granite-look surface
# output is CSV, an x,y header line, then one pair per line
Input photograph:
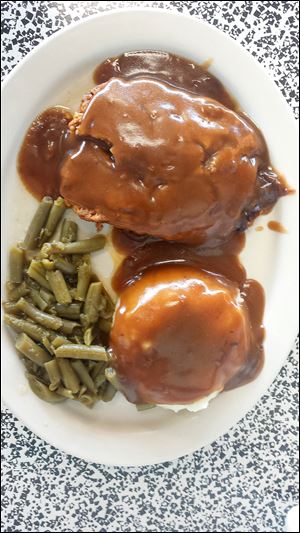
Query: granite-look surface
x,y
246,480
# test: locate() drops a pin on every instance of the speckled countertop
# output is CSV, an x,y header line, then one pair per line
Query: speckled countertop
x,y
246,480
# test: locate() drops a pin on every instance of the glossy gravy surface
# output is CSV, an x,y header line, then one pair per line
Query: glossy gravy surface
x,y
216,335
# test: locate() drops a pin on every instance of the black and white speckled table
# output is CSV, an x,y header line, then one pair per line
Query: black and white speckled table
x,y
245,481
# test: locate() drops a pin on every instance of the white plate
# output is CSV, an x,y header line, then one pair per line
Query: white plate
x,y
57,72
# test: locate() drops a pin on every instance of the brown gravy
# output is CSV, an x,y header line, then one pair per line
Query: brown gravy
x,y
48,139
274,225
147,254
169,68
42,151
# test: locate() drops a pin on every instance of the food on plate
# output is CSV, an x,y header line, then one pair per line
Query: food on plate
x,y
60,311
182,332
160,151
160,144
157,148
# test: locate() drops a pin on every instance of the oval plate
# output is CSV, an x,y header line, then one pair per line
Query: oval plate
x,y
59,71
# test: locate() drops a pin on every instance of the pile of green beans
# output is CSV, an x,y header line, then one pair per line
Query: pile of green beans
x,y
61,313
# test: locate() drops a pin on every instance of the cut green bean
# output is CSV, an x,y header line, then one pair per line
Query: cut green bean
x,y
68,311
14,292
69,377
59,287
59,341
37,223
92,302
38,300
83,281
108,393
87,400
69,231
85,246
82,391
31,367
65,266
80,351
57,210
37,272
16,264
111,376
47,264
47,296
98,369
54,374
11,308
65,393
31,350
99,380
29,255
25,326
144,406
42,391
68,326
46,342
44,319
89,335
83,375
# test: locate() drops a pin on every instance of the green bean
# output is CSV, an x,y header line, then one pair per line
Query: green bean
x,y
92,302
79,247
42,375
69,377
83,281
25,326
108,393
59,341
98,369
41,390
48,345
38,300
37,223
29,255
37,272
14,292
65,266
47,296
31,367
47,264
83,375
99,380
82,391
68,326
11,308
105,325
31,350
16,264
80,351
87,400
59,287
89,335
31,284
66,393
68,311
57,210
69,231
45,319
54,374
111,376
144,406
